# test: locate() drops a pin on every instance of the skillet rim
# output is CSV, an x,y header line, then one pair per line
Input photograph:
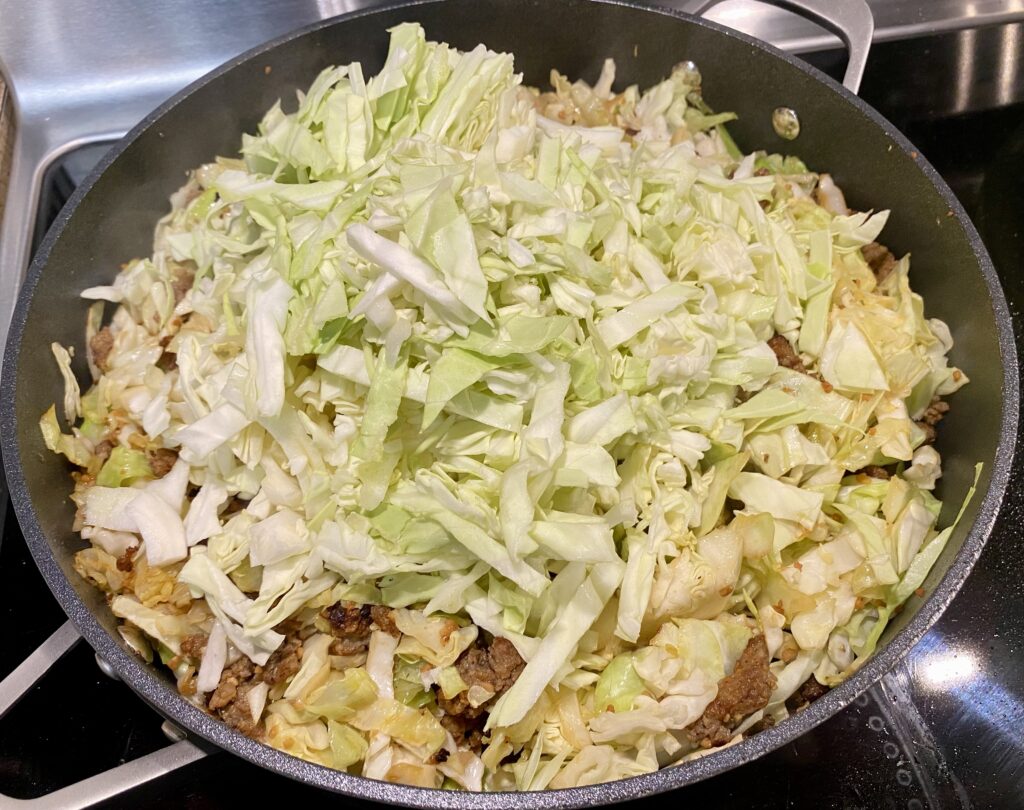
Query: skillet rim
x,y
153,687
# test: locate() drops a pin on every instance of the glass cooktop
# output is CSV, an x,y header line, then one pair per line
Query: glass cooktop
x,y
945,729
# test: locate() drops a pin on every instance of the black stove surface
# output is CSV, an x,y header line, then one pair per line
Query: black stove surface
x,y
944,730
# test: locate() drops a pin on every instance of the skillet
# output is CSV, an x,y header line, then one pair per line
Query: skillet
x,y
111,217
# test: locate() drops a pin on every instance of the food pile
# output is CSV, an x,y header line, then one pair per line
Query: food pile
x,y
464,435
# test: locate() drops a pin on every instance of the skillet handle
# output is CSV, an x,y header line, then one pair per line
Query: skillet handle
x,y
850,20
114,783
108,784
33,668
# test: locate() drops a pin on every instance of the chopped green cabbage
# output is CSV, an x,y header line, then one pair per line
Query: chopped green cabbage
x,y
123,467
498,360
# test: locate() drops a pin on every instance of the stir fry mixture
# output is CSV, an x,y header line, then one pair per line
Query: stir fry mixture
x,y
470,436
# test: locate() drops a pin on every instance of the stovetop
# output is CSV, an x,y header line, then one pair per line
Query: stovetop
x,y
944,730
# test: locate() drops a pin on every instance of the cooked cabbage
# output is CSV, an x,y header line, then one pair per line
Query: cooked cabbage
x,y
562,368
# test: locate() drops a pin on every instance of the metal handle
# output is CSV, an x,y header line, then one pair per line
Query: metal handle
x,y
105,785
36,665
850,20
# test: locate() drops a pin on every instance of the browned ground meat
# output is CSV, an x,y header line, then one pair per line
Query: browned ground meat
x,y
384,618
230,679
874,471
495,668
351,625
161,460
229,700
194,646
100,345
744,691
126,562
181,282
933,414
763,724
291,626
879,259
808,692
459,709
168,361
238,715
284,662
466,728
345,646
786,354
349,620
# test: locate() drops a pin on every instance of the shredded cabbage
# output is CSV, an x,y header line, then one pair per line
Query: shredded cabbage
x,y
566,369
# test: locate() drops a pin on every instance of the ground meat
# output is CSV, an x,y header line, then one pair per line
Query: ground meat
x,y
467,731
874,471
238,715
194,646
763,724
345,646
879,259
291,626
935,412
349,621
168,361
230,679
932,416
229,700
284,662
384,618
459,706
100,345
786,354
807,693
741,693
126,561
495,668
181,282
352,624
161,460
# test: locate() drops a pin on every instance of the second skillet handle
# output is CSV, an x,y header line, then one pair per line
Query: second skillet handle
x,y
850,20
111,784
